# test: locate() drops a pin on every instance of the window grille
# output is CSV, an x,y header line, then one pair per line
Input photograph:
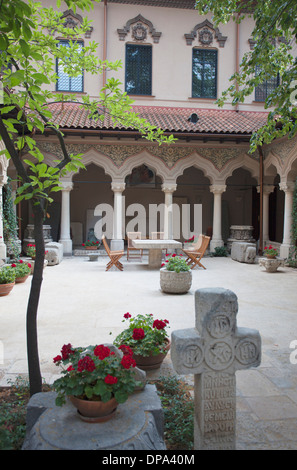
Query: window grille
x,y
138,69
204,75
65,82
263,90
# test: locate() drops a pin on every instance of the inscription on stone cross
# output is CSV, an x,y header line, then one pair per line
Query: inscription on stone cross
x,y
213,351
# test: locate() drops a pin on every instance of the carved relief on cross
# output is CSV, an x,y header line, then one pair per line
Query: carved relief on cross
x,y
213,351
215,344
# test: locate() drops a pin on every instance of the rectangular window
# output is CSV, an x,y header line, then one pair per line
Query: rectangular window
x,y
138,69
266,88
204,73
65,82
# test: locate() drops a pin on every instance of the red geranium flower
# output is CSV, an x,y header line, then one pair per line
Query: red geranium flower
x,y
127,315
127,362
66,351
126,350
138,333
102,351
57,359
86,364
159,324
110,379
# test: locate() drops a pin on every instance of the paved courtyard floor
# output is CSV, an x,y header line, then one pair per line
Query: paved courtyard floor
x,y
83,304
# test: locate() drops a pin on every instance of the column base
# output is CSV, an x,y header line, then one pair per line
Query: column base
x,y
215,243
3,252
284,251
117,245
67,246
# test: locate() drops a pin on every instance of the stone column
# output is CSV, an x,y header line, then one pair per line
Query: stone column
x,y
217,190
3,251
168,212
267,189
288,188
117,243
65,218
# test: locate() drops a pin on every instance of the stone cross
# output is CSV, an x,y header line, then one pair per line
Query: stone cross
x,y
213,351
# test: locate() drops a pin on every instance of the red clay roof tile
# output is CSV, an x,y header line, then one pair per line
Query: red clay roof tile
x,y
170,119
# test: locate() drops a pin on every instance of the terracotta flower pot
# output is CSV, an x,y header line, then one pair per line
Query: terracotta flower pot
x,y
19,280
151,362
271,256
6,288
94,411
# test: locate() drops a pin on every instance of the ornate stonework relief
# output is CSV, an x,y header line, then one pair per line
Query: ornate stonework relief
x,y
282,149
206,33
72,20
141,28
170,155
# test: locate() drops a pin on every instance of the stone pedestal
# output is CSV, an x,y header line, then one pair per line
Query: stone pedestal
x,y
136,425
271,265
29,236
240,233
243,252
54,253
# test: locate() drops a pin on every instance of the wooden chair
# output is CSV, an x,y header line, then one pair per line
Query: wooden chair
x,y
157,236
197,251
113,255
130,248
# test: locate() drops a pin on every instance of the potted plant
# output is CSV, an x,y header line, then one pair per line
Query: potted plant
x,y
31,250
7,280
22,271
96,379
91,245
270,252
175,275
146,339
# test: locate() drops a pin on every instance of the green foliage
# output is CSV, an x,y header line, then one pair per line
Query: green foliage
x,y
274,34
7,275
94,373
176,263
293,251
220,251
178,409
21,269
144,335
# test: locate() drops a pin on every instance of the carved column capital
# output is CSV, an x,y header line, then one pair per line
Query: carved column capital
x,y
217,188
118,187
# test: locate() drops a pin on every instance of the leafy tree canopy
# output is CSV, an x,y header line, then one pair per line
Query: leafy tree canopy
x,y
274,53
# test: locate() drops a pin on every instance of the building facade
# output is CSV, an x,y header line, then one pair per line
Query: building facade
x,y
175,64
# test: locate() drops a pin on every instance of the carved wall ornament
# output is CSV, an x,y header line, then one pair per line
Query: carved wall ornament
x,y
72,20
205,37
139,31
204,31
170,155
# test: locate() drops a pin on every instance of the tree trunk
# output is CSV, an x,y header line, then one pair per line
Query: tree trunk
x,y
35,378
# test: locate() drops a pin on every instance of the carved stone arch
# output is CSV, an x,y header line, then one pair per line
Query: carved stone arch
x,y
145,158
272,161
139,19
245,162
206,27
199,162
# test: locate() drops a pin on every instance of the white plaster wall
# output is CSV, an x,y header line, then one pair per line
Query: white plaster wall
x,y
172,57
